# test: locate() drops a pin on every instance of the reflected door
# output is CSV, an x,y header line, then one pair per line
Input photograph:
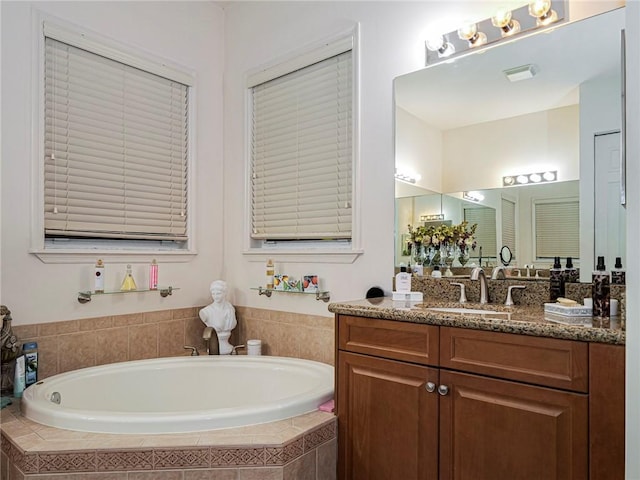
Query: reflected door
x,y
609,214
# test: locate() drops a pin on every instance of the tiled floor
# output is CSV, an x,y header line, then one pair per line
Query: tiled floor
x,y
300,448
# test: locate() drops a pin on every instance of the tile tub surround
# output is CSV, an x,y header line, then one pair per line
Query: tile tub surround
x,y
300,448
74,344
522,319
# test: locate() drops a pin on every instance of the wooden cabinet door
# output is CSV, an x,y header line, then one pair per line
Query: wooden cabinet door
x,y
387,420
494,429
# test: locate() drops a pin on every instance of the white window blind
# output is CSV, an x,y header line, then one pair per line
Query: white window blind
x,y
301,153
116,148
552,241
509,225
485,235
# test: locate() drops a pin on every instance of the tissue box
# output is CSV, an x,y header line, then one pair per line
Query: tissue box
x,y
411,296
568,319
568,311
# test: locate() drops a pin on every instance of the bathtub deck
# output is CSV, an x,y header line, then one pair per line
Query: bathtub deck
x,y
285,449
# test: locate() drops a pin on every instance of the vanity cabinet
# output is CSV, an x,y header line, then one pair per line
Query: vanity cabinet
x,y
456,403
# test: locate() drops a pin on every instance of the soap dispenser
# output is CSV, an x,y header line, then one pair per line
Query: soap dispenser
x,y
600,290
571,274
556,281
618,275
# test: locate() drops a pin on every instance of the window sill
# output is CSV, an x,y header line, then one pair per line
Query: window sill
x,y
307,256
119,256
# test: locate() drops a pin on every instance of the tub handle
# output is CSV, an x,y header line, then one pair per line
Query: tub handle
x,y
194,350
56,397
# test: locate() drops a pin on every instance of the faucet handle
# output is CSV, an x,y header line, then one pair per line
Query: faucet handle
x,y
194,350
463,295
509,301
234,350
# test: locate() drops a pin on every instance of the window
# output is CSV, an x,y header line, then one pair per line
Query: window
x,y
301,154
116,138
486,239
551,241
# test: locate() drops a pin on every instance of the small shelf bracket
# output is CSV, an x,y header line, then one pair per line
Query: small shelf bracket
x,y
264,291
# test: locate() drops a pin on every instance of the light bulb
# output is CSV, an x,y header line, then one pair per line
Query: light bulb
x,y
508,181
535,177
522,179
541,9
438,43
504,21
549,176
470,33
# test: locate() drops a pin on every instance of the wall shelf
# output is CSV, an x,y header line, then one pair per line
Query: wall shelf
x,y
324,296
84,297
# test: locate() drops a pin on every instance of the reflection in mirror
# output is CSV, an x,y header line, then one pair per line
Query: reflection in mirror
x,y
462,126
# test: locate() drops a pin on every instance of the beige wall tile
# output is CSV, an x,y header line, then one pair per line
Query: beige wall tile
x,y
267,473
143,341
112,345
126,320
171,338
175,475
97,323
25,331
185,312
303,467
316,344
212,474
76,350
327,458
47,356
193,328
158,316
58,328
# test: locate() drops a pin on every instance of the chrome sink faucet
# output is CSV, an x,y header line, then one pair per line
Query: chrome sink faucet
x,y
478,274
210,337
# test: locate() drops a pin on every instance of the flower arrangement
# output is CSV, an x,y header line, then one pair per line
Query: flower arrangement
x,y
460,236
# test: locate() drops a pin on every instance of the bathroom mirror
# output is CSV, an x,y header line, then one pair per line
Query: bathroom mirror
x,y
461,126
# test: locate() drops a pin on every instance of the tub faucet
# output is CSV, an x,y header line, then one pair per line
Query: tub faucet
x,y
210,337
478,274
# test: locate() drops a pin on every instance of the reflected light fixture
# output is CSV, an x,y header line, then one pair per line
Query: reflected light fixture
x,y
407,176
473,196
470,33
503,19
529,178
543,13
439,44
434,217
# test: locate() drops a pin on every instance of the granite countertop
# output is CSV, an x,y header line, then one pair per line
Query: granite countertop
x,y
519,319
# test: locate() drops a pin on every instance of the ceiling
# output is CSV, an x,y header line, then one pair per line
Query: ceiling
x,y
473,89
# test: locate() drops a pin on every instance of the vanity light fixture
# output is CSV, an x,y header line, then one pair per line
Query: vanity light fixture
x,y
503,19
406,176
543,13
529,178
504,24
473,196
434,217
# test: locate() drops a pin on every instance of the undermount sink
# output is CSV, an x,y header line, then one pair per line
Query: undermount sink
x,y
475,311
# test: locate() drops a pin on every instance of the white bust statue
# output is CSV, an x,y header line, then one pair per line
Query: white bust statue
x,y
220,315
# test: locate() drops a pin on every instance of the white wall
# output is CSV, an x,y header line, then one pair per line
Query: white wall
x,y
185,33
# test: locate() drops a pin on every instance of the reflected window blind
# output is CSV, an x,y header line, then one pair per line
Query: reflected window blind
x,y
301,153
552,241
509,226
115,148
485,217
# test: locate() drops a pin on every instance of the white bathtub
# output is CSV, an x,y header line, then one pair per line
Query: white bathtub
x,y
179,395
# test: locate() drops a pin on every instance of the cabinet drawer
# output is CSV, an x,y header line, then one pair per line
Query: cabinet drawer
x,y
409,342
541,361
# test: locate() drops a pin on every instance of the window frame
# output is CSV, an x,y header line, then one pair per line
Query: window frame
x,y
81,251
336,251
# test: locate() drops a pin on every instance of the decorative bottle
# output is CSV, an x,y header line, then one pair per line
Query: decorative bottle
x,y
98,286
556,281
600,290
153,275
571,274
618,275
270,273
128,283
403,280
